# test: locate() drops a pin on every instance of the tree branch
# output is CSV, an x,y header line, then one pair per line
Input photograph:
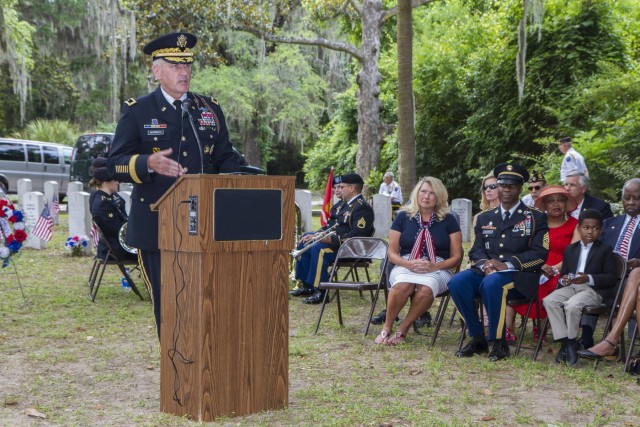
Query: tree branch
x,y
394,10
341,47
356,5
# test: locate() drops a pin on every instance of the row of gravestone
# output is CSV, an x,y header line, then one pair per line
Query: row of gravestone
x,y
383,213
32,203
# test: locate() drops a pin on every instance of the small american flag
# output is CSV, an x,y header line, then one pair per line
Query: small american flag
x,y
42,230
55,206
95,237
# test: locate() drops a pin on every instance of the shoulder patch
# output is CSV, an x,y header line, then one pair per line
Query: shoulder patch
x,y
215,101
130,102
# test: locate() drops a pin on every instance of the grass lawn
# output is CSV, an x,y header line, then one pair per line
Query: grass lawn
x,y
79,363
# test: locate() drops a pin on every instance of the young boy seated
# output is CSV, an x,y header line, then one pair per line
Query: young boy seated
x,y
588,276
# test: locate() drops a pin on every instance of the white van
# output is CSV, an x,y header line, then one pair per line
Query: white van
x,y
36,160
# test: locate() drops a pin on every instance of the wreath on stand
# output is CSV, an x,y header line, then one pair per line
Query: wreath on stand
x,y
12,231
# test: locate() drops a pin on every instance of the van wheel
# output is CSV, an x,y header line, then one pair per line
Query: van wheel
x,y
3,187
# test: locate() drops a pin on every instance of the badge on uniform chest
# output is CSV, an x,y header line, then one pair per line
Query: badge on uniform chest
x,y
155,128
489,230
207,118
523,228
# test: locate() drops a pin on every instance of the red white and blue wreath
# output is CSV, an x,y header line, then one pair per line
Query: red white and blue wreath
x,y
12,231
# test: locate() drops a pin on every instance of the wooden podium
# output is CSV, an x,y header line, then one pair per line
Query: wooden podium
x,y
225,242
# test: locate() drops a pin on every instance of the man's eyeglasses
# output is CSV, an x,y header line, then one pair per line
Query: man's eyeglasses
x,y
490,187
534,187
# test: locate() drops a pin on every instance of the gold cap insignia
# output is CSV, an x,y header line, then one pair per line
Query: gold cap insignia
x,y
182,41
509,167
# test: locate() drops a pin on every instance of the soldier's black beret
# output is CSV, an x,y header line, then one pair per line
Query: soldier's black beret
x,y
352,178
100,171
174,47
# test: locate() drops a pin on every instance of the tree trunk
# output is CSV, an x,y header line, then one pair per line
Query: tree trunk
x,y
370,129
406,132
250,148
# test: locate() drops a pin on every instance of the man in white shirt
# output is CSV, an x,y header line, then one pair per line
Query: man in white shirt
x,y
391,188
572,161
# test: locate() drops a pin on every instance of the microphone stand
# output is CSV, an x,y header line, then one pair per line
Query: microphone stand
x,y
185,109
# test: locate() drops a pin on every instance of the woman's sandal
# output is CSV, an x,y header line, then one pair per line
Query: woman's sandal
x,y
398,338
588,354
383,338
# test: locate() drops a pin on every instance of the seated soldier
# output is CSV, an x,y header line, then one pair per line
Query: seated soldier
x,y
108,210
537,182
299,289
511,245
353,218
581,283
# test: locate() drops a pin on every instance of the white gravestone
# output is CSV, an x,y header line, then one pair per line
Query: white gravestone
x,y
80,216
463,208
24,187
73,187
125,186
382,215
32,208
303,199
126,196
51,193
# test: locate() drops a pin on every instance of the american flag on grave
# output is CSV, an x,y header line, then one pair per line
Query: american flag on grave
x,y
42,229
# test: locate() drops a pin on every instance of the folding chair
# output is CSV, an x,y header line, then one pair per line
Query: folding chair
x,y
523,327
99,265
632,342
603,308
445,297
353,250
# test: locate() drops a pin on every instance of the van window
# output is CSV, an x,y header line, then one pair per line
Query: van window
x,y
33,153
11,151
67,152
51,155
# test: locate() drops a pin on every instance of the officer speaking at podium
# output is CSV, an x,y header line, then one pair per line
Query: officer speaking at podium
x,y
154,144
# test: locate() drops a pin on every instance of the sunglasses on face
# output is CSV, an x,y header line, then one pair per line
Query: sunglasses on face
x,y
534,187
490,187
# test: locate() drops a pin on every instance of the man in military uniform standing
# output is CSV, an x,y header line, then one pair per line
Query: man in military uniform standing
x,y
511,245
154,144
354,218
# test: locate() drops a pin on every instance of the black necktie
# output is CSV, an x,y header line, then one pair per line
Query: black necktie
x,y
507,214
178,104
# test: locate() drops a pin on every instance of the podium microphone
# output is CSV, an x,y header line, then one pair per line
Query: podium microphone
x,y
186,104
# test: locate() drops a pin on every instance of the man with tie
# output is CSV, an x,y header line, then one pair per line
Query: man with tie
x,y
154,144
623,235
511,245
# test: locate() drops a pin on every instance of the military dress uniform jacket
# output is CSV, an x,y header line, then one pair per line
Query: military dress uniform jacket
x,y
150,124
523,241
109,213
355,219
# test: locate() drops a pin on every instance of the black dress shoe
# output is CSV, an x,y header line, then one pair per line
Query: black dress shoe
x,y
477,345
561,357
499,351
302,292
380,318
424,320
572,352
315,298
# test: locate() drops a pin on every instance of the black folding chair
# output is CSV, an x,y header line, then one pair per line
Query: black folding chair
x,y
351,251
99,265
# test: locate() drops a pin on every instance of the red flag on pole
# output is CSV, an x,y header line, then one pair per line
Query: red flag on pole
x,y
327,200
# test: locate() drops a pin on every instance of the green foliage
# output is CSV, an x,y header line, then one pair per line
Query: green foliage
x,y
60,131
337,145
